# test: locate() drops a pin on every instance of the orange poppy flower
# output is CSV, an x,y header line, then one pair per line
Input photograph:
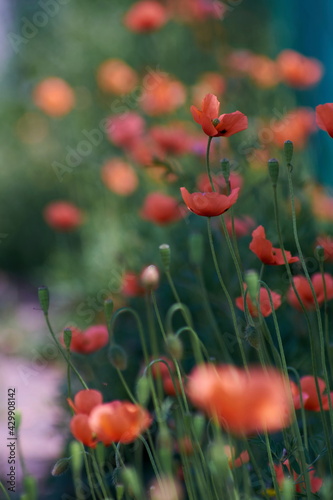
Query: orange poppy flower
x,y
243,402
161,94
125,129
161,209
304,290
116,77
296,126
264,303
54,96
311,401
209,83
324,117
315,482
215,125
265,251
119,177
145,16
84,402
263,71
209,204
297,70
63,216
119,421
90,340
327,243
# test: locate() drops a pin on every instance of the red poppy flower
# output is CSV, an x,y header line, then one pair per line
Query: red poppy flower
x,y
119,421
161,209
131,285
90,340
84,402
242,225
243,402
209,204
324,117
265,251
315,482
295,393
327,243
308,387
160,370
304,290
63,216
297,70
264,302
215,125
161,94
297,125
119,176
233,459
172,140
170,388
145,16
116,77
54,96
125,129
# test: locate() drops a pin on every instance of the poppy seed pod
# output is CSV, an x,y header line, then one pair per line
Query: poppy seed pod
x,y
165,256
273,168
288,151
44,298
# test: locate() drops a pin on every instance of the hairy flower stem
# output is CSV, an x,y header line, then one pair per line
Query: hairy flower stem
x,y
225,290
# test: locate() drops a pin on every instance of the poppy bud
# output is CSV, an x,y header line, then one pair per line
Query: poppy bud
x,y
252,281
319,253
225,165
252,336
175,346
199,423
196,248
273,168
44,298
76,457
288,151
165,256
131,481
108,310
143,390
67,338
288,489
60,467
120,490
150,277
118,357
165,447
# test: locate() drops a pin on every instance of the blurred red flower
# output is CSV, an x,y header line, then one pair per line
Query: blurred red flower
x,y
264,303
233,459
209,83
161,209
324,117
145,16
85,401
119,176
161,94
54,96
90,340
116,77
311,401
265,251
209,204
327,243
315,482
172,139
119,421
242,225
214,125
131,285
243,402
297,70
63,216
304,290
295,126
125,129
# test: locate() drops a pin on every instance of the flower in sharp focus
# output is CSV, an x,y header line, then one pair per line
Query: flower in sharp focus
x,y
304,290
265,251
54,96
324,117
161,209
209,204
63,216
90,340
118,421
215,125
242,402
145,16
264,303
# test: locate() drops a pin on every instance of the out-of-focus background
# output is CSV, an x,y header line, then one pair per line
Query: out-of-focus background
x,y
69,70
